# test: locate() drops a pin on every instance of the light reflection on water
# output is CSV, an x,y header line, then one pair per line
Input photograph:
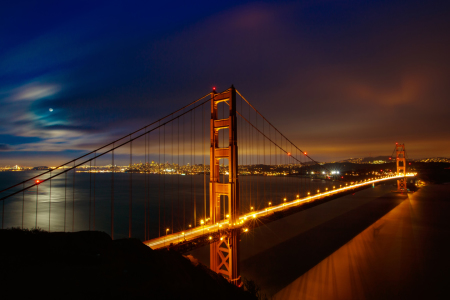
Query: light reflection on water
x,y
68,209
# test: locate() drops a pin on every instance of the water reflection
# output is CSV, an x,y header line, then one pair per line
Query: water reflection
x,y
62,207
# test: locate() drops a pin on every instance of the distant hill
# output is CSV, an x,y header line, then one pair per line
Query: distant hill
x,y
367,160
40,168
376,158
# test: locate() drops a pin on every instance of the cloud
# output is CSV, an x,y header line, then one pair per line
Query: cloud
x,y
35,92
4,147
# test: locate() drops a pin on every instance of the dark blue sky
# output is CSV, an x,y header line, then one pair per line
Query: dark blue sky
x,y
340,78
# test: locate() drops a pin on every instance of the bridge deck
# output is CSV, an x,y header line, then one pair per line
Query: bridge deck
x,y
209,229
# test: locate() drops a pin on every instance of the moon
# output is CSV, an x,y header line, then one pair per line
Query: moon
x,y
50,109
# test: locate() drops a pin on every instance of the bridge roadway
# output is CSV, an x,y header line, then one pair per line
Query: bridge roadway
x,y
209,229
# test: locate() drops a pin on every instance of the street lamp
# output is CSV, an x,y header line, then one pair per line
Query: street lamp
x,y
202,223
167,230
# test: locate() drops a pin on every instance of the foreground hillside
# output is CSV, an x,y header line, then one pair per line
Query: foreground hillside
x,y
91,265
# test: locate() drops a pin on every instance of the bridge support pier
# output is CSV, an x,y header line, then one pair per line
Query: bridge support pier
x,y
224,254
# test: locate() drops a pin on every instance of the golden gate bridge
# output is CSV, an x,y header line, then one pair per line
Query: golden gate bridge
x,y
214,204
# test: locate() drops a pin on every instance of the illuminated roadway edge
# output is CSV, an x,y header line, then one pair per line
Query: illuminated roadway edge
x,y
196,232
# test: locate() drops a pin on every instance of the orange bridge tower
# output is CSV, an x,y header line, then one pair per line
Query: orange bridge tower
x,y
401,167
224,253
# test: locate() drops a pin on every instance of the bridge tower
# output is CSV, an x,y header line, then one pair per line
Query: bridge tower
x,y
401,166
224,253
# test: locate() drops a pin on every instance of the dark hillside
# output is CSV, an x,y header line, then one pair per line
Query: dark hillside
x,y
90,265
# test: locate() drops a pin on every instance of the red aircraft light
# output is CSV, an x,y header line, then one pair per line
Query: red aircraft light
x,y
289,153
37,181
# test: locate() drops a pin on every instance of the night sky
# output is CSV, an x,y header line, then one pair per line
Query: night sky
x,y
341,79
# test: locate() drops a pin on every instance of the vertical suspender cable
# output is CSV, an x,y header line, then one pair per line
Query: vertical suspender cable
x,y
159,182
90,192
276,168
95,171
173,168
23,202
112,193
270,167
178,171
130,202
249,151
164,178
50,202
264,157
65,200
73,198
192,191
3,212
37,195
146,185
195,186
184,154
257,162
204,171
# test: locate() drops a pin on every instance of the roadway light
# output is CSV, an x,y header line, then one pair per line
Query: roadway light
x,y
284,199
202,222
251,208
298,196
